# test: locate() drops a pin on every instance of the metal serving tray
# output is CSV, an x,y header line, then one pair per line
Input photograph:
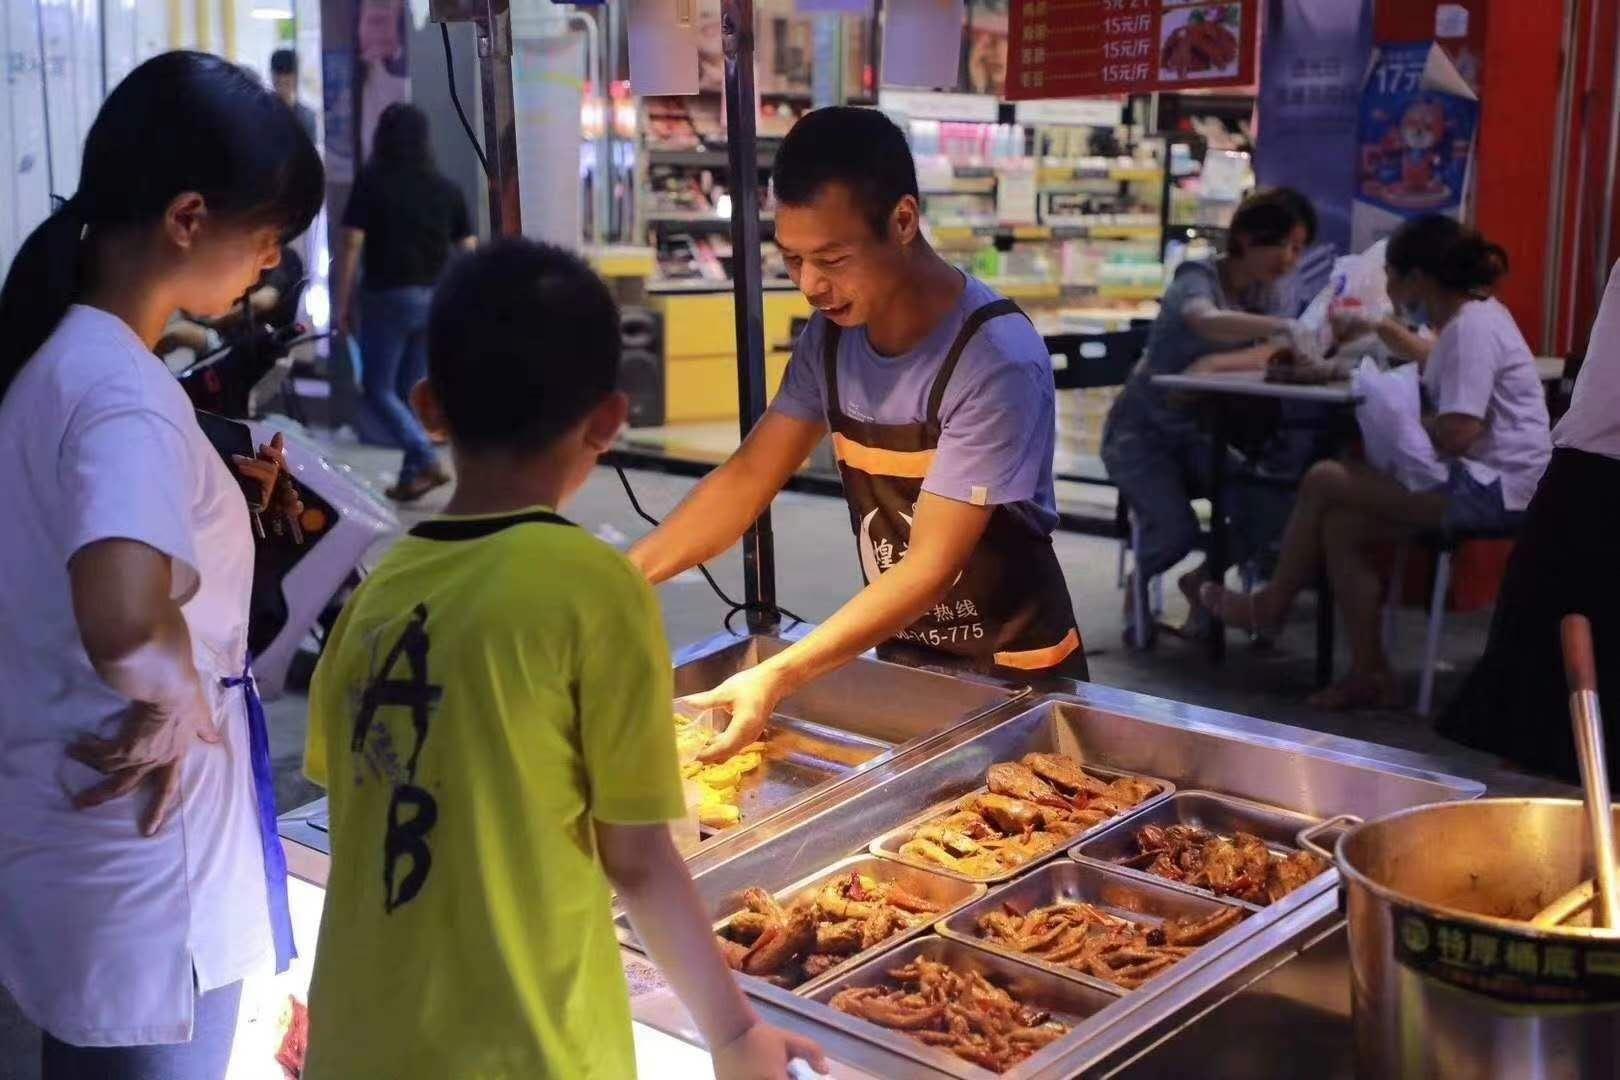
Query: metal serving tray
x,y
948,893
1073,1003
838,725
1220,814
1148,902
888,845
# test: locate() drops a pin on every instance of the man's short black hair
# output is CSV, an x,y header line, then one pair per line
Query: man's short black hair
x,y
859,148
523,342
283,62
1267,217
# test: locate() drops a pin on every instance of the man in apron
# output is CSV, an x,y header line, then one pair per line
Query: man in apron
x,y
938,395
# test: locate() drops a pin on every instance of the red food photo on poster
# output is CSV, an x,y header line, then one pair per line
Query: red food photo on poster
x,y
1199,43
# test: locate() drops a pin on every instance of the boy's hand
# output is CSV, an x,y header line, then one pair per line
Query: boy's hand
x,y
748,698
762,1053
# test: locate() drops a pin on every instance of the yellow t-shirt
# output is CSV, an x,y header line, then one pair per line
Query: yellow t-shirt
x,y
494,685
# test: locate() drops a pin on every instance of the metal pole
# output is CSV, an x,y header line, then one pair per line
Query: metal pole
x,y
737,40
1613,152
1551,286
494,32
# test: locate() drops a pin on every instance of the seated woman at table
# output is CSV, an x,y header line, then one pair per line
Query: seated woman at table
x,y
1489,425
1219,315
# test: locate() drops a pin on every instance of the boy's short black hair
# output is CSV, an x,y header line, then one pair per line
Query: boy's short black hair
x,y
859,148
283,62
523,342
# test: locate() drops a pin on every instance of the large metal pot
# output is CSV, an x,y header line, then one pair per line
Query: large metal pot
x,y
1449,979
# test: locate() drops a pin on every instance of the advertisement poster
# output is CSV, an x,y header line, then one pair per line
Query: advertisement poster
x,y
1416,140
1315,53
1076,48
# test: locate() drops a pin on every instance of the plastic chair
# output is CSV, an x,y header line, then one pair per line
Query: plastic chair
x,y
1445,545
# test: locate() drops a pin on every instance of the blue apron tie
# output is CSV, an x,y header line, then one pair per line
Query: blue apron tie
x,y
264,785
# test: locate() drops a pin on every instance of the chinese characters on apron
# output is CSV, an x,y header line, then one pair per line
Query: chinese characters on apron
x,y
1009,608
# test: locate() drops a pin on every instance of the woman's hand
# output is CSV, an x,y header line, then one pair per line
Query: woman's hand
x,y
148,750
762,1053
268,469
1349,324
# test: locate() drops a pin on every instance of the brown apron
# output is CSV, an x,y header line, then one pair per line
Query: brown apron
x,y
1009,608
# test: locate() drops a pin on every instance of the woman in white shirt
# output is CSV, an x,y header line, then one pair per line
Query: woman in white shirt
x,y
1489,425
140,877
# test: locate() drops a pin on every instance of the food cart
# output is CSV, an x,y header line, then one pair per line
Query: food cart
x,y
873,747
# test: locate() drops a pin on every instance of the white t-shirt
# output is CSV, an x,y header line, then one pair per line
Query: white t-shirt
x,y
1593,420
101,929
1481,367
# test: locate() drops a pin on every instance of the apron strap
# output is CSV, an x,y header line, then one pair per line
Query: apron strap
x,y
264,790
830,335
970,326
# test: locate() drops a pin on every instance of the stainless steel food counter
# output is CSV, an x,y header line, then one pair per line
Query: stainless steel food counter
x,y
1269,995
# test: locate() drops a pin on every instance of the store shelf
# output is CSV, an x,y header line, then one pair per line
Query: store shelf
x,y
1026,288
697,217
966,185
708,285
1049,176
1130,292
703,159
959,234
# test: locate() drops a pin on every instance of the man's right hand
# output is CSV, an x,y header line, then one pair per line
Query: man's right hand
x,y
148,750
748,698
764,1053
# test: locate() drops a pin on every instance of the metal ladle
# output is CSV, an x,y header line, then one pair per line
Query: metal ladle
x,y
1580,669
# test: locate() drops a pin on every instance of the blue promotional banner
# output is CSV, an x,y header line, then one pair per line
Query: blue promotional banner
x,y
1315,56
1416,134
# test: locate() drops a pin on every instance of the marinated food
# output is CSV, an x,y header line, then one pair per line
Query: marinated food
x,y
1032,806
959,1011
719,782
1094,942
1239,866
820,929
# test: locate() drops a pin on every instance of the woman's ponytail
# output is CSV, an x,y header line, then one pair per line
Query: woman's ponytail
x,y
44,278
1456,256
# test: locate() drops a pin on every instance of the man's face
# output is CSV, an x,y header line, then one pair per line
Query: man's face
x,y
286,87
844,268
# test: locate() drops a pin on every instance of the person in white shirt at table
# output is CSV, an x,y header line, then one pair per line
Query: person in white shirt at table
x,y
140,874
1489,426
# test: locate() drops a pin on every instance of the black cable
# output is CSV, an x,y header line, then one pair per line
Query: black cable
x,y
455,99
733,606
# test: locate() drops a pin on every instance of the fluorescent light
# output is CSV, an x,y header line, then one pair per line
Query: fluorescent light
x,y
270,14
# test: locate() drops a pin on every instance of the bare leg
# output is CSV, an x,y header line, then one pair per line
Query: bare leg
x,y
1328,486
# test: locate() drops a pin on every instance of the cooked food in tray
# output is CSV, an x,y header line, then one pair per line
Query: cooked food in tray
x,y
1031,807
963,1012
1240,866
820,930
719,781
1094,942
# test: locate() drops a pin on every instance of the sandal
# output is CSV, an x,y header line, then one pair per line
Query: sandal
x,y
1236,610
408,491
1355,692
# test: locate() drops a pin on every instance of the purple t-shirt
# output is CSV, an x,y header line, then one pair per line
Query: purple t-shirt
x,y
995,446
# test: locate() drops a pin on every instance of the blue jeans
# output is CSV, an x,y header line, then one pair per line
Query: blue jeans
x,y
393,358
205,1057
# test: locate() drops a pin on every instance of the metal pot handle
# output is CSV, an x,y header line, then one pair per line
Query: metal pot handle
x,y
1306,837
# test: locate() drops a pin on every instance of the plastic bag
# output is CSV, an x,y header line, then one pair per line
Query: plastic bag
x,y
1357,282
1391,419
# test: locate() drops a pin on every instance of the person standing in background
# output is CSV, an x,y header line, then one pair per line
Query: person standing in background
x,y
1513,702
403,219
284,80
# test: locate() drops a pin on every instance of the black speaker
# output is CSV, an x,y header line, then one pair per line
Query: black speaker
x,y
641,366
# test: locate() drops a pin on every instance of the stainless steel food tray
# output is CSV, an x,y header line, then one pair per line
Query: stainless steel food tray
x,y
839,725
1220,814
888,845
1149,902
1081,1007
949,893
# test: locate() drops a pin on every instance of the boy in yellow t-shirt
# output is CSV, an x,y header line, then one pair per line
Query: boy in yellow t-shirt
x,y
491,719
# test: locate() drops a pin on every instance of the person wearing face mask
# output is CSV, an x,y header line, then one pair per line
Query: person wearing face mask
x,y
939,397
1489,425
1220,315
141,878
